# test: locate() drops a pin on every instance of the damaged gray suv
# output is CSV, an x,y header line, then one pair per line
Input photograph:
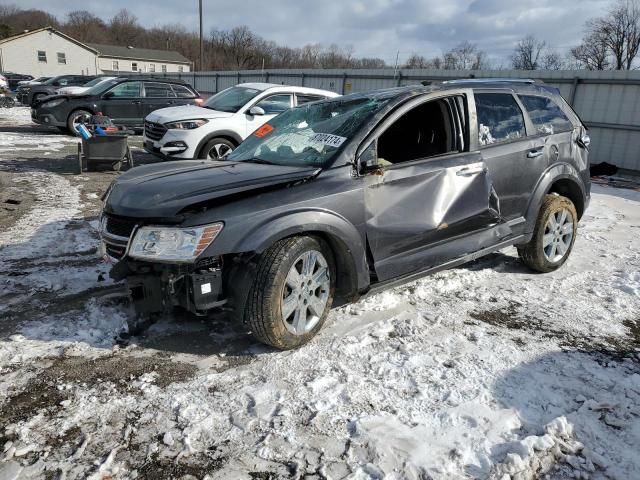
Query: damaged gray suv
x,y
344,197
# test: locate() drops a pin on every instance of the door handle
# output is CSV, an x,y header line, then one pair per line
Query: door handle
x,y
469,171
535,153
136,102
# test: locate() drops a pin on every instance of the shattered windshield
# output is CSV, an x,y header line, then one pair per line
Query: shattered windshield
x,y
309,135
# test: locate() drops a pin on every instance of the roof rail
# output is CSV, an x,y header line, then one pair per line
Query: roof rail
x,y
494,80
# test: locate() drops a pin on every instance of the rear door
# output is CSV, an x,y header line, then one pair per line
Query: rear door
x,y
272,105
514,159
428,189
157,95
123,103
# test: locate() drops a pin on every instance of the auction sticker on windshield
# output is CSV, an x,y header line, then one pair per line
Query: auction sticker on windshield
x,y
328,139
263,131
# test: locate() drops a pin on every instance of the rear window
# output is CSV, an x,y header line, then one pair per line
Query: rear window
x,y
499,118
545,114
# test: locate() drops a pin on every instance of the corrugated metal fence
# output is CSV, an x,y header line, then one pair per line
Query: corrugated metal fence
x,y
607,101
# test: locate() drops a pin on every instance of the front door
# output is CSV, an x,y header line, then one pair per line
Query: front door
x,y
123,103
272,106
427,192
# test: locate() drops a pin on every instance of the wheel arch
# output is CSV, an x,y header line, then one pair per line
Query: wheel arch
x,y
229,135
562,179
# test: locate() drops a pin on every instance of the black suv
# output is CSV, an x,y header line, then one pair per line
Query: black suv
x,y
125,100
14,78
31,94
343,197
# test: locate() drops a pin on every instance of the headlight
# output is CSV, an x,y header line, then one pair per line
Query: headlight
x,y
53,103
173,244
187,124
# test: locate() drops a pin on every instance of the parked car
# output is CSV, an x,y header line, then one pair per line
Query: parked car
x,y
31,94
223,121
35,81
345,197
4,83
84,88
125,100
15,78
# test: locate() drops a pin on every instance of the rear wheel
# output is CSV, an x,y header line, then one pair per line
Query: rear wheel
x,y
553,236
75,119
217,148
292,293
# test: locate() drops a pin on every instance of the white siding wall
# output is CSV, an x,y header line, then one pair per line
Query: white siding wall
x,y
21,56
124,65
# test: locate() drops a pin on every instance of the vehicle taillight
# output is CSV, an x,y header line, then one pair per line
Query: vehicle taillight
x,y
199,101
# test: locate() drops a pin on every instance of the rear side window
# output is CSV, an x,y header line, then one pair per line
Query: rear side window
x,y
126,90
545,114
499,118
183,92
303,98
157,90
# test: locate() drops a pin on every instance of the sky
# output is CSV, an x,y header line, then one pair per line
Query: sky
x,y
379,28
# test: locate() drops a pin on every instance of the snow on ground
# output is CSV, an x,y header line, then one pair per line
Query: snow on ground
x,y
485,371
15,116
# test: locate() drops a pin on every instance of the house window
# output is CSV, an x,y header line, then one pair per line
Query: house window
x,y
115,66
42,56
152,67
164,68
134,66
62,58
181,69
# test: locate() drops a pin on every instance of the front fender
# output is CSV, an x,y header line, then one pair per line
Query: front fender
x,y
265,233
235,136
555,172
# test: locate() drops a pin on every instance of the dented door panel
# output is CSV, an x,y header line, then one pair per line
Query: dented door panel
x,y
414,206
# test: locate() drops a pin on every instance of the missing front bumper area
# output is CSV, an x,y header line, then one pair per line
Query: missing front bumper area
x,y
153,291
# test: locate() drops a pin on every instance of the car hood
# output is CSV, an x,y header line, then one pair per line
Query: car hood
x,y
164,190
184,112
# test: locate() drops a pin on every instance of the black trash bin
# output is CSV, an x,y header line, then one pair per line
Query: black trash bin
x,y
109,150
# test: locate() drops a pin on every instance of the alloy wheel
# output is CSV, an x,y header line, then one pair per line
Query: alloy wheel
x,y
558,234
219,150
305,292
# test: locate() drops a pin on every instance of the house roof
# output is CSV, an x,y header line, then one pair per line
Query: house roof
x,y
52,30
139,53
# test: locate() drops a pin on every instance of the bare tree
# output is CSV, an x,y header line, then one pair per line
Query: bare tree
x,y
464,56
527,53
619,31
592,53
124,28
86,27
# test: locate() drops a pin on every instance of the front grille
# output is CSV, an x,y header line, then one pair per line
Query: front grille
x,y
121,227
154,131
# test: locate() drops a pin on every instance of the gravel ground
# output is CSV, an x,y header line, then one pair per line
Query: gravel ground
x,y
486,371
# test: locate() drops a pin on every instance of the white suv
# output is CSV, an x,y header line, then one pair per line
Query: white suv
x,y
222,122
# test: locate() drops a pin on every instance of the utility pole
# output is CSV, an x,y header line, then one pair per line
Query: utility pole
x,y
201,44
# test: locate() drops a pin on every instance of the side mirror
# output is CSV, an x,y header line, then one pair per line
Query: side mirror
x,y
255,110
368,160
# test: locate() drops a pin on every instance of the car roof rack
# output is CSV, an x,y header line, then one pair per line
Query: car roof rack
x,y
493,80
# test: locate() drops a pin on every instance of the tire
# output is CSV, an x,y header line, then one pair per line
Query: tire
x,y
215,148
263,311
553,238
72,118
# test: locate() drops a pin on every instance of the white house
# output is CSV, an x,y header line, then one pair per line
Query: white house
x,y
49,52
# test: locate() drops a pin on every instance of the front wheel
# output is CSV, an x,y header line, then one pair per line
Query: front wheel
x,y
217,149
292,293
75,119
553,235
